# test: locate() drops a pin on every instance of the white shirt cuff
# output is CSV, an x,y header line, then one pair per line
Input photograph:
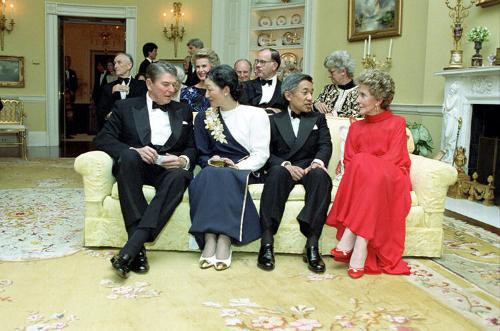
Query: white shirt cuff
x,y
286,163
187,161
318,161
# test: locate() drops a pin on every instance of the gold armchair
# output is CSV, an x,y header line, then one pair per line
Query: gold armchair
x,y
12,123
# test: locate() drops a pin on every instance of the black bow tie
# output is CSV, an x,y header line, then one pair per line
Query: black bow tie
x,y
268,82
295,115
121,80
162,107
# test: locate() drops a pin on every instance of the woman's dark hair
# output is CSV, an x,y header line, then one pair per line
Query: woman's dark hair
x,y
223,75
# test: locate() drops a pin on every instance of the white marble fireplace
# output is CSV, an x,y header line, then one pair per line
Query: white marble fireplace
x,y
463,89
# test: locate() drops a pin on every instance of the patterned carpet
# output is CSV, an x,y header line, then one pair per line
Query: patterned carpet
x,y
41,215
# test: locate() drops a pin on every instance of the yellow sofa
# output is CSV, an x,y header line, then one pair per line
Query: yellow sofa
x,y
424,232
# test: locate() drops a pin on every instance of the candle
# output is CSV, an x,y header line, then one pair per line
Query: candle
x,y
11,11
3,7
364,50
369,44
390,49
165,20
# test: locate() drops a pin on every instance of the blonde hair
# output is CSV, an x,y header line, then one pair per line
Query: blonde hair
x,y
379,83
206,53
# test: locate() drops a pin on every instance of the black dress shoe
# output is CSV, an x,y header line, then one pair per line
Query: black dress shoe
x,y
140,263
312,257
121,264
265,261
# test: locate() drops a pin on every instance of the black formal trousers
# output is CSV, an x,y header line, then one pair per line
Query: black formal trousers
x,y
131,174
277,187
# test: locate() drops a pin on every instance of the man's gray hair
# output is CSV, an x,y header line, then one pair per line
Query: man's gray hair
x,y
243,60
340,60
195,42
127,55
292,81
156,69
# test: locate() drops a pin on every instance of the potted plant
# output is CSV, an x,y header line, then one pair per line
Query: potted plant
x,y
421,138
478,35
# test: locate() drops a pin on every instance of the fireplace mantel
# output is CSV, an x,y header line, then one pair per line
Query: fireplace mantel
x,y
479,85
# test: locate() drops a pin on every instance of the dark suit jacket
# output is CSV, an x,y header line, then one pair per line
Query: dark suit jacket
x,y
313,140
144,65
137,88
96,90
129,126
252,93
192,77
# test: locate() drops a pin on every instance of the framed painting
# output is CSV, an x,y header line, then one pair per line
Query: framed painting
x,y
378,18
11,71
178,63
487,3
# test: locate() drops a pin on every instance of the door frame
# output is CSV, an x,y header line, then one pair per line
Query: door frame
x,y
52,12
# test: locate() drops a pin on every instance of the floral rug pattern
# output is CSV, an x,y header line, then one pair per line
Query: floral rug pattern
x,y
4,283
40,223
56,321
138,290
472,253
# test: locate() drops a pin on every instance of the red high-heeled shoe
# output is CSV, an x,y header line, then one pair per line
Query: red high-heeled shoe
x,y
355,272
340,255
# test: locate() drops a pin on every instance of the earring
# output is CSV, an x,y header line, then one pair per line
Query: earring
x,y
225,94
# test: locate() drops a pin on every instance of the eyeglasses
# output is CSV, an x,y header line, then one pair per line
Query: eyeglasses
x,y
258,61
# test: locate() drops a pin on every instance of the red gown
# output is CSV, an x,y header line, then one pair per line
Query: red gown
x,y
373,198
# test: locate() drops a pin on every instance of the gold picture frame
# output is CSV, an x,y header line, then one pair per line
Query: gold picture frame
x,y
178,63
379,19
11,71
487,3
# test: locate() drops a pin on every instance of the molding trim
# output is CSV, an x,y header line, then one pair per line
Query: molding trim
x,y
26,98
52,12
38,138
423,110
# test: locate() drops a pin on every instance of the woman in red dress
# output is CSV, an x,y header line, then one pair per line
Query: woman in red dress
x,y
373,198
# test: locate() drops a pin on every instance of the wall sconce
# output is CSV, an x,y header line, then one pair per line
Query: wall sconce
x,y
369,61
176,30
4,26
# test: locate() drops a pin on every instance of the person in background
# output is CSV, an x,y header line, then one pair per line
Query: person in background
x,y
203,60
243,69
150,139
339,97
193,46
99,81
150,51
233,145
301,148
123,87
373,198
265,90
111,75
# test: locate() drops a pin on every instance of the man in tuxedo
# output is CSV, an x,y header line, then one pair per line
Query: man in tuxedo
x,y
150,51
150,139
265,90
123,88
99,81
193,46
300,150
243,69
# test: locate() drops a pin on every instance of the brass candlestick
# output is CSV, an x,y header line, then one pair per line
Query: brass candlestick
x,y
457,13
370,62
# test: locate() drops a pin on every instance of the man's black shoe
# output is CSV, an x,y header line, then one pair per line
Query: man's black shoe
x,y
312,257
121,265
140,263
265,261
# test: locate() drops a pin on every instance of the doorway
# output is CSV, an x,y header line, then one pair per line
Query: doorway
x,y
54,56
88,45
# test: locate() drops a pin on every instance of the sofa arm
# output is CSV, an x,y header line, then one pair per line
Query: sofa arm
x,y
430,180
95,168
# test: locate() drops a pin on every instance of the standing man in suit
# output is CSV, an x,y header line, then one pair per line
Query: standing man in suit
x,y
70,87
300,149
150,139
123,88
193,46
265,90
150,51
99,81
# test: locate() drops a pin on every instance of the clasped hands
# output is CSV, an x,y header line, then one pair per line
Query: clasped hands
x,y
297,172
227,162
149,155
120,88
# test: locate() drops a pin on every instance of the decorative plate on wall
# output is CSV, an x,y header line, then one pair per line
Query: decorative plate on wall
x,y
281,20
289,58
296,19
265,21
265,39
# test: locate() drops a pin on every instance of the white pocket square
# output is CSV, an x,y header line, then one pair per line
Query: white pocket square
x,y
315,127
184,123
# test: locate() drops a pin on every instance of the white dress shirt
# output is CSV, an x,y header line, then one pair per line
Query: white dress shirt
x,y
268,91
123,95
159,122
295,123
250,127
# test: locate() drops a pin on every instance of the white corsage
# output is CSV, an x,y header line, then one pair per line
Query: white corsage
x,y
214,124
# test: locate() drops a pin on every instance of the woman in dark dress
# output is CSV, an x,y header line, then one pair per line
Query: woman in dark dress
x,y
233,144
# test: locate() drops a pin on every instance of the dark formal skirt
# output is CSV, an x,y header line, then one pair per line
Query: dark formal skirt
x,y
220,203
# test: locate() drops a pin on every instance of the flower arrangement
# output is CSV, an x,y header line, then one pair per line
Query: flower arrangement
x,y
213,123
478,34
421,138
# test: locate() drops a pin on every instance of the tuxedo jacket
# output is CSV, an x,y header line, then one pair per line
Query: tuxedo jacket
x,y
313,140
137,88
98,84
129,126
71,81
252,93
144,65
